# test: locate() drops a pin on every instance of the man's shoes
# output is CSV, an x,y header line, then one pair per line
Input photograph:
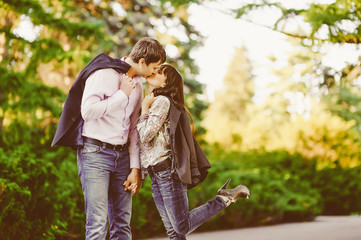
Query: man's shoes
x,y
231,195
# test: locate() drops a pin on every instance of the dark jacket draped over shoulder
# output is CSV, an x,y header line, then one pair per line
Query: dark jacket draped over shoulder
x,y
68,132
188,159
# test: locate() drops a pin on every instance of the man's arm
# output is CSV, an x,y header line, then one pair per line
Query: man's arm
x,y
94,104
134,176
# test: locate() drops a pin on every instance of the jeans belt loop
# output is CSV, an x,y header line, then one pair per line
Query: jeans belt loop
x,y
104,145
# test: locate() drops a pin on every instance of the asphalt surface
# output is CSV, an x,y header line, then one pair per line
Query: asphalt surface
x,y
323,228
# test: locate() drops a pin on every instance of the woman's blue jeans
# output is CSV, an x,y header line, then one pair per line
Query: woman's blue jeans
x,y
170,197
102,172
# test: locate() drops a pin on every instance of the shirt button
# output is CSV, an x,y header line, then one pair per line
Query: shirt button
x,y
73,119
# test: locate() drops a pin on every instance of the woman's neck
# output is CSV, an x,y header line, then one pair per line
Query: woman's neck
x,y
150,89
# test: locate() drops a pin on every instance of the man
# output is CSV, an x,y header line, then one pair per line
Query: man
x,y
99,119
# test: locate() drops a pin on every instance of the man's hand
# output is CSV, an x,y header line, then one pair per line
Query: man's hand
x,y
127,84
133,182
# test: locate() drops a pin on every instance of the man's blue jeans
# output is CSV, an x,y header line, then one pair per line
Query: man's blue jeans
x,y
102,172
170,197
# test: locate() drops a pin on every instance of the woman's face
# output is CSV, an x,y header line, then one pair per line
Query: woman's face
x,y
157,80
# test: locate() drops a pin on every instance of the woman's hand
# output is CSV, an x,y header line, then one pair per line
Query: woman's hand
x,y
147,102
127,84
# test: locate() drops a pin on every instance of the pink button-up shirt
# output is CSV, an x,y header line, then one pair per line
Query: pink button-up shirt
x,y
109,115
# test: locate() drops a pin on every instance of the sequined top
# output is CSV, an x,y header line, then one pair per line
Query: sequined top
x,y
153,129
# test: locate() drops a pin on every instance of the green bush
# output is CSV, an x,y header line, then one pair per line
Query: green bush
x,y
13,200
280,188
341,190
70,200
28,196
40,193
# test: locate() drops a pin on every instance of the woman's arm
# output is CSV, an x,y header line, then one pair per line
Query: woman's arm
x,y
149,124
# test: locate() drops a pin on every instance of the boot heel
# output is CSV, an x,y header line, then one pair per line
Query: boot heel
x,y
225,185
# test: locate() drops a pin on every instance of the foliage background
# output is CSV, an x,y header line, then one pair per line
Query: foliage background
x,y
298,164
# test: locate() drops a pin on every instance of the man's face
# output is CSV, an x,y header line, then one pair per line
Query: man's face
x,y
147,70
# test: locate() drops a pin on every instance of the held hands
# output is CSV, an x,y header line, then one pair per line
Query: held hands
x,y
147,102
133,182
127,84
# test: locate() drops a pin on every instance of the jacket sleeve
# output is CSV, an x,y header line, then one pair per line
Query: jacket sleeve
x,y
191,143
190,139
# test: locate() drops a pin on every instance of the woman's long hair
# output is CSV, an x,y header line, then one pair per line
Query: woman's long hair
x,y
173,88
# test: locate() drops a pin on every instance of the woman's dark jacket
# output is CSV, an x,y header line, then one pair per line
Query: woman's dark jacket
x,y
188,159
68,132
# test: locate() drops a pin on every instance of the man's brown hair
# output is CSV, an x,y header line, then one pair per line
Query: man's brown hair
x,y
149,49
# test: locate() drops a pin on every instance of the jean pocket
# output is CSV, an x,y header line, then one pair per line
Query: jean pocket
x,y
90,148
164,175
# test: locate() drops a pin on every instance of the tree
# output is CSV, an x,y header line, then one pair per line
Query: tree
x,y
294,117
69,35
37,184
323,26
226,115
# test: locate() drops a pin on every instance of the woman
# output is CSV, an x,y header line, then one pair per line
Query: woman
x,y
173,158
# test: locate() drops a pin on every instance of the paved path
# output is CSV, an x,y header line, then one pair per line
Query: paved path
x,y
323,228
